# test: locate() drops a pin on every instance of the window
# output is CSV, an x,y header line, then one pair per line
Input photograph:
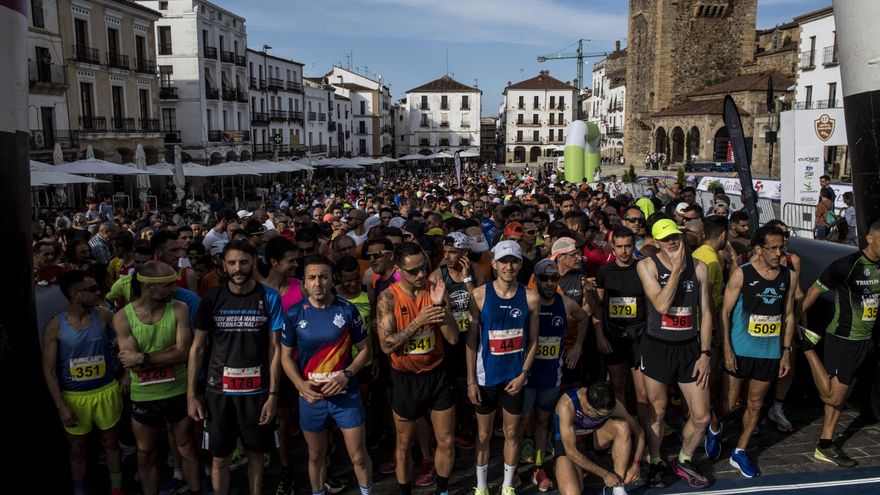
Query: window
x,y
424,105
552,101
238,120
536,136
552,131
465,104
519,119
363,107
519,136
208,116
560,119
144,103
561,103
163,5
535,120
85,102
112,42
832,95
522,103
444,102
37,13
808,103
362,147
169,120
362,127
165,40
536,102
118,102
552,121
225,126
81,31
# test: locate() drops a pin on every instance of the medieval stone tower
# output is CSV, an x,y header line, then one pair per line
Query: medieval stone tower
x,y
676,47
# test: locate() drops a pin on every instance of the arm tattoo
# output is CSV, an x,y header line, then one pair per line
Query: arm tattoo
x,y
384,318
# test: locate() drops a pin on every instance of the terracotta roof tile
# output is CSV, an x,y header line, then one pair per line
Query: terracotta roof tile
x,y
747,82
444,84
542,81
696,107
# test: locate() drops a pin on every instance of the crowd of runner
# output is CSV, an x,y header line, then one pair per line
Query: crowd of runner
x,y
558,316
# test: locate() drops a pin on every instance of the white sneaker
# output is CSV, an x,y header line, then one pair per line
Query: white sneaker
x,y
618,490
777,415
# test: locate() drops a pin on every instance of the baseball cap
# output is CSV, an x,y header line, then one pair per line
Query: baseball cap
x,y
434,231
680,207
396,222
492,190
513,229
477,240
457,239
372,221
563,245
664,228
255,228
244,213
507,248
546,266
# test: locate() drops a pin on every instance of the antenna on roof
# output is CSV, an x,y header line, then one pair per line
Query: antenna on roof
x,y
475,83
523,74
447,61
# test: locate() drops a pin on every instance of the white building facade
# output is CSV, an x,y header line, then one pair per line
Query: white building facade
x,y
203,76
372,128
606,105
276,105
319,101
443,114
536,113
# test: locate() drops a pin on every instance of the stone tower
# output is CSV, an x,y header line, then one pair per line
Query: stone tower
x,y
676,47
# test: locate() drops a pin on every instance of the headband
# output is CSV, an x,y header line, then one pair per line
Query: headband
x,y
156,280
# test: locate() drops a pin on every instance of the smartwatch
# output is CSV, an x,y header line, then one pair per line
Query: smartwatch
x,y
348,374
145,358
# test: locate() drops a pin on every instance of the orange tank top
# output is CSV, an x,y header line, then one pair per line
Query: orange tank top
x,y
424,350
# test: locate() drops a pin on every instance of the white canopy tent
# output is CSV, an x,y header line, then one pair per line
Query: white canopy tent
x,y
468,154
52,178
412,157
438,156
96,166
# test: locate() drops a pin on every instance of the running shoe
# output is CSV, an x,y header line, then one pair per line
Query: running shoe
x,y
334,485
508,490
480,491
740,460
173,487
285,486
777,415
616,490
427,474
239,458
688,472
712,443
388,466
527,452
811,338
541,480
834,455
655,475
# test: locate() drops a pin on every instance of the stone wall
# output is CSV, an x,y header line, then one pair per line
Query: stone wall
x,y
784,61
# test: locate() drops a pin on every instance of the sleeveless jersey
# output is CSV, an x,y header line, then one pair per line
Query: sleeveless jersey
x,y
459,297
546,371
155,382
583,425
293,295
85,357
424,350
759,314
381,285
624,306
503,336
680,321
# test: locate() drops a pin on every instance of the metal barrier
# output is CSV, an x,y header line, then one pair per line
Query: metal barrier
x,y
767,209
799,218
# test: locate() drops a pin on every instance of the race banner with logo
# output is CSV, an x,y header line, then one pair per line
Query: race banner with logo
x,y
805,136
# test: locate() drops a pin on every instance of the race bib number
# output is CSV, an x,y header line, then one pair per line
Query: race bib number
x,y
548,347
422,342
153,376
765,325
463,320
622,307
87,368
678,318
503,342
241,380
869,308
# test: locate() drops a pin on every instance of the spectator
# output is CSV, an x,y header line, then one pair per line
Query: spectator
x,y
825,217
849,214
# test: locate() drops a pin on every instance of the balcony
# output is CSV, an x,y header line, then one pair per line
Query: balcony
x,y
464,125
424,106
466,107
425,123
827,104
227,57
167,93
807,60
93,124
122,124
830,56
444,142
361,132
241,96
149,125
144,66
313,116
334,151
240,61
521,106
529,124
444,106
318,148
295,116
331,126
388,128
525,140
424,142
212,93
259,118
172,137
464,142
229,94
614,132
215,136
322,117
444,124
278,115
45,140
261,84
294,86
117,61
276,83
558,124
46,76
165,49
85,54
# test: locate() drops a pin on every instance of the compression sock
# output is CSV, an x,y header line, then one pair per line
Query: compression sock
x,y
509,471
366,490
482,475
683,456
116,480
654,460
442,485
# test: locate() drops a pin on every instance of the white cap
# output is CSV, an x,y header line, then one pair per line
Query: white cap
x,y
396,222
244,213
492,190
372,221
507,248
680,207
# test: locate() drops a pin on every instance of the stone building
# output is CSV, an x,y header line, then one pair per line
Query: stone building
x,y
675,49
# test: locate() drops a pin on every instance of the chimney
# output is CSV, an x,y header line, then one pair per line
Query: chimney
x,y
617,46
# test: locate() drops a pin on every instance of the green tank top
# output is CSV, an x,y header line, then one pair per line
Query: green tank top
x,y
155,383
362,303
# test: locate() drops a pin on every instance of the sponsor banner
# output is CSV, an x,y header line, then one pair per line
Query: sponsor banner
x,y
766,188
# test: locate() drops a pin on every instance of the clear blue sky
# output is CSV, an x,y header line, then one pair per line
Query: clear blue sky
x,y
492,41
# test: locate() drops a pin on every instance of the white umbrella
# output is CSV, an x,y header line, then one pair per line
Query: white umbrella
x,y
143,180
52,178
468,154
387,159
40,166
439,155
179,176
412,157
97,166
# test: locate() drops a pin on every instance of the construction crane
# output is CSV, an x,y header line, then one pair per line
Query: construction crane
x,y
580,56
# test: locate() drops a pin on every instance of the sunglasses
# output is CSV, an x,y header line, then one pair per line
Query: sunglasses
x,y
548,277
531,232
378,254
634,219
417,270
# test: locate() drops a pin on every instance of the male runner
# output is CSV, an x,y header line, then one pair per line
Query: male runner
x,y
237,330
757,341
154,339
501,350
849,342
674,350
545,379
412,316
593,417
79,368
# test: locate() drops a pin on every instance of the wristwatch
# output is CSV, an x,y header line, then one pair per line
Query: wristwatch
x,y
787,348
145,358
707,353
527,373
348,374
